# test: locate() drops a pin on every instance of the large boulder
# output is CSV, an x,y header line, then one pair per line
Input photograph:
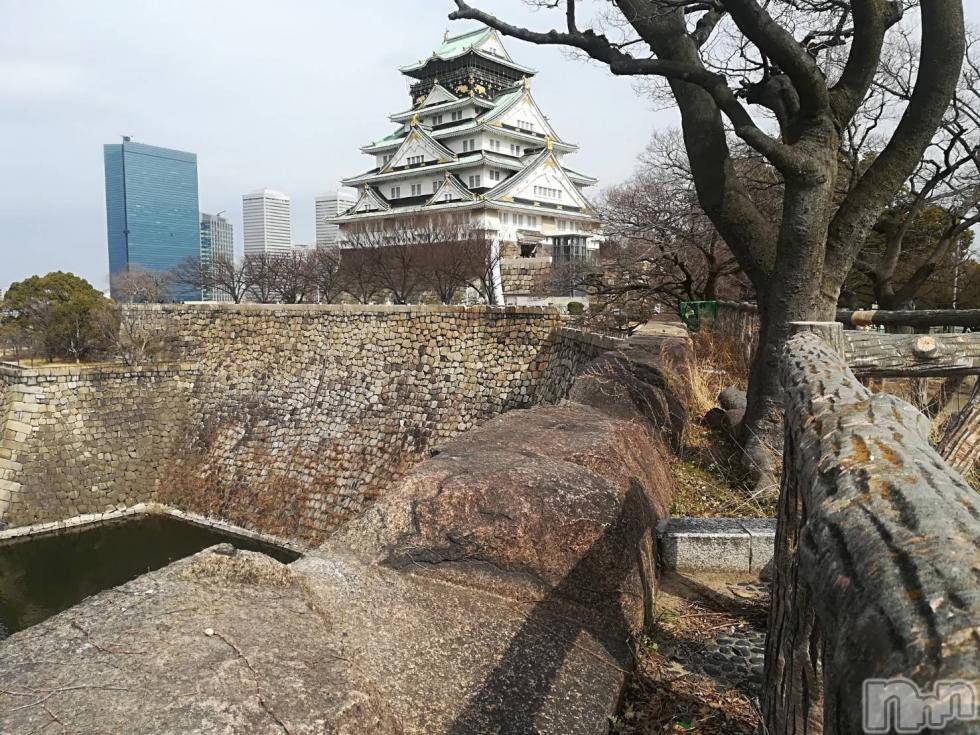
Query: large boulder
x,y
224,642
634,385
238,643
550,502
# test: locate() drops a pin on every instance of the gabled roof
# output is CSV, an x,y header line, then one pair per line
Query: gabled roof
x,y
501,104
452,189
420,135
510,99
369,196
545,160
436,96
462,161
484,42
580,178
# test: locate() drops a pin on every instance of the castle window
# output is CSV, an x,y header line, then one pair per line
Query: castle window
x,y
495,174
456,115
515,150
416,190
396,192
415,160
437,119
475,181
525,125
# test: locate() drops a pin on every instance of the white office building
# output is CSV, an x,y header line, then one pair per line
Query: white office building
x,y
267,223
330,205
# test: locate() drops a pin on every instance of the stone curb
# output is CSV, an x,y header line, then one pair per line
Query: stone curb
x,y
94,519
743,545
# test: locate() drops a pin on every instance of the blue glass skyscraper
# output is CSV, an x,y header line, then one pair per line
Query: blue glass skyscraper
x,y
152,211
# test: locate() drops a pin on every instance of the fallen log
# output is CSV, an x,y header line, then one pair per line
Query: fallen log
x,y
923,318
876,355
876,557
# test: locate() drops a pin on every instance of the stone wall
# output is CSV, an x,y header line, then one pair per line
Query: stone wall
x,y
494,589
525,276
284,419
86,439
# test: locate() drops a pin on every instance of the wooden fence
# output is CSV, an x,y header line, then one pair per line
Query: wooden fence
x,y
875,355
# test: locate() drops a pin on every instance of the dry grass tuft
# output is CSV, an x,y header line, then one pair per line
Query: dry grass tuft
x,y
717,363
710,472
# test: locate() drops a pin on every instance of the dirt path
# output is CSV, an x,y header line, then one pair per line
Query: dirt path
x,y
700,670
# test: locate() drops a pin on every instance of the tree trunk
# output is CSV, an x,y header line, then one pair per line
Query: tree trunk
x,y
791,294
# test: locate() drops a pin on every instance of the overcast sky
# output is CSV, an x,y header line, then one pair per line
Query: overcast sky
x,y
267,94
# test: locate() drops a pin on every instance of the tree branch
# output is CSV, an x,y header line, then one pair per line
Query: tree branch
x,y
779,45
941,57
871,19
598,47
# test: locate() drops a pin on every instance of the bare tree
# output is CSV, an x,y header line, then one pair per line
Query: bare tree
x,y
454,255
808,66
136,336
323,272
357,276
223,275
928,225
482,254
263,274
292,277
662,246
140,286
409,256
392,247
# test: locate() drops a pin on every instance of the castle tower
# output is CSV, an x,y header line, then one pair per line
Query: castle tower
x,y
474,140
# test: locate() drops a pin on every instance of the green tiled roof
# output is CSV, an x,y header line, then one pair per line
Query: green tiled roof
x,y
456,46
452,47
397,135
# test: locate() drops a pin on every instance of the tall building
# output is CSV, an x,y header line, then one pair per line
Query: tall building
x,y
267,223
474,140
217,244
151,209
329,206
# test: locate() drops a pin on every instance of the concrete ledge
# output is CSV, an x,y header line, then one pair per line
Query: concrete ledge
x,y
715,544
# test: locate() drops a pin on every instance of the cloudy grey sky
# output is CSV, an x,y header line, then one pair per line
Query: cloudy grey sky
x,y
268,94
279,94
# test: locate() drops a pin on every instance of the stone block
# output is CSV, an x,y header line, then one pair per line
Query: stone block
x,y
763,534
704,545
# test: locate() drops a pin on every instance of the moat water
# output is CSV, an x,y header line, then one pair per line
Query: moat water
x,y
42,576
